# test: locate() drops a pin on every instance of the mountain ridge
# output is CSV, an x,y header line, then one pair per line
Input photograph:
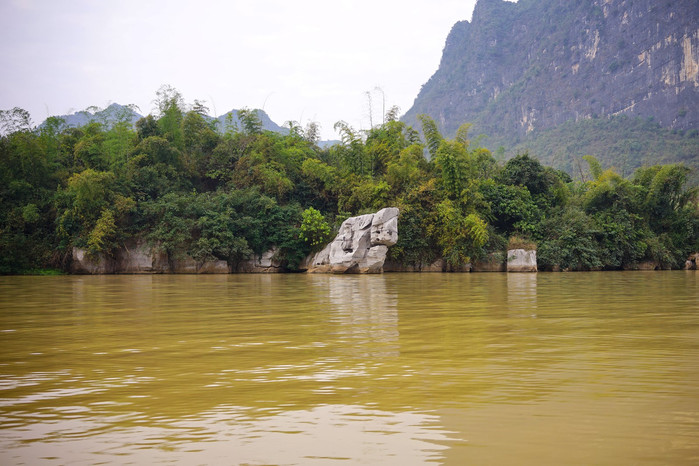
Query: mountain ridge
x,y
117,112
520,67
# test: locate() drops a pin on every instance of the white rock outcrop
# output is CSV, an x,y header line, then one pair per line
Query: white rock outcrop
x,y
360,246
267,262
83,263
521,260
137,256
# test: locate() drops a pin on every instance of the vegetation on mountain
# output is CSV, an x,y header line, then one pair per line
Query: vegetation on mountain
x,y
191,188
559,79
622,142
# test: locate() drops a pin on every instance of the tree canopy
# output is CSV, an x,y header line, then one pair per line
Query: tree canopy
x,y
180,182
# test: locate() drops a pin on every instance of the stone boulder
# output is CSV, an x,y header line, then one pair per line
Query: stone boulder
x,y
645,265
267,262
360,246
493,262
136,256
83,263
521,260
436,266
188,265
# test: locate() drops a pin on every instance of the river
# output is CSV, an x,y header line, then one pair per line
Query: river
x,y
396,369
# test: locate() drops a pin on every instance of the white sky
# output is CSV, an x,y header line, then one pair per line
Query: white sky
x,y
303,60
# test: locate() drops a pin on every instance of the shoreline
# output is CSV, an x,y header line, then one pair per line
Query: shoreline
x,y
55,273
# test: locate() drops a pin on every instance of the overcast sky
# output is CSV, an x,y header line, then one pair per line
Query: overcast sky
x,y
303,60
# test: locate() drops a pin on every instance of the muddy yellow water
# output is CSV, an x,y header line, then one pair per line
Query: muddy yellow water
x,y
395,369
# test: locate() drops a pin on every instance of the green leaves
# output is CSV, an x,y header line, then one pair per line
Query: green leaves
x,y
314,229
195,192
451,159
101,237
228,226
433,137
90,192
570,242
460,236
93,213
595,167
250,121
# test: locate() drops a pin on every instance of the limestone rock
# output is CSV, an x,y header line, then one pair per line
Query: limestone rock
x,y
360,246
267,262
436,266
467,267
635,58
521,260
217,266
493,262
384,227
645,265
184,264
190,265
82,263
136,256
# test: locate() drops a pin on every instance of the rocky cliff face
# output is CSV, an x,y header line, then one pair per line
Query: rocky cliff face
x,y
136,256
535,64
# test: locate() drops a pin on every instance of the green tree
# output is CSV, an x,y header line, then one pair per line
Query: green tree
x,y
670,210
433,137
199,142
250,121
569,241
451,160
92,213
14,120
314,228
351,152
408,170
459,236
170,105
511,208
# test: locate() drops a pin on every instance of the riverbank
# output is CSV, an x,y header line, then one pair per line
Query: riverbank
x,y
140,258
360,246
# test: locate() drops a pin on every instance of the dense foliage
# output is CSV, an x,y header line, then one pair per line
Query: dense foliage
x,y
619,141
191,189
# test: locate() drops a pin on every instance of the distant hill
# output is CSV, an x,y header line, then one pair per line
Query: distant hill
x,y
267,123
519,71
108,116
115,112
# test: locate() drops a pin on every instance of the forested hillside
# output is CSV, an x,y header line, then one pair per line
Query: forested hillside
x,y
621,142
536,74
188,188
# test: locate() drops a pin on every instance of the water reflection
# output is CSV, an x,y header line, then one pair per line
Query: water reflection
x,y
276,369
521,294
234,435
364,315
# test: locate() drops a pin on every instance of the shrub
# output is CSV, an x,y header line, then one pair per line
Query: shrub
x,y
518,242
314,229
